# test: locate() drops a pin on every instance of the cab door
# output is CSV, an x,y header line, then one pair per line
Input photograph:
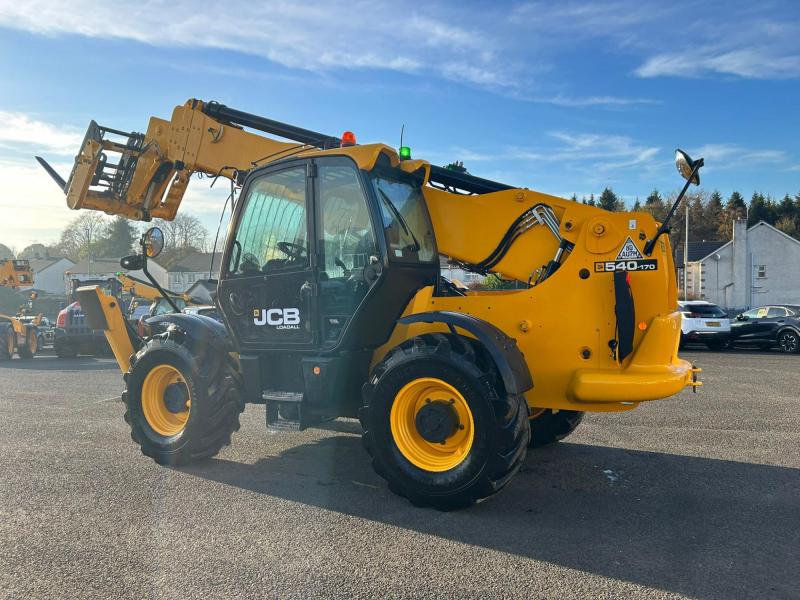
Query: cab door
x,y
267,293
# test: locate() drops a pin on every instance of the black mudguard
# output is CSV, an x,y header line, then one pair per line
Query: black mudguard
x,y
197,333
503,349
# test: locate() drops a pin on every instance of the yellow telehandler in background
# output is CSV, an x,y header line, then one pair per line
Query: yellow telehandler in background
x,y
16,336
334,305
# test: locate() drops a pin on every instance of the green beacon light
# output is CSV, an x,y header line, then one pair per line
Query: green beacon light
x,y
405,153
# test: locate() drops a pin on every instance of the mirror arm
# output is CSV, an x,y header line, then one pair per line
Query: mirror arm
x,y
155,283
664,228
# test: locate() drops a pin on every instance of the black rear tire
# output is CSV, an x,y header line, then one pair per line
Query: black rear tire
x,y
789,342
31,346
6,341
716,345
66,351
501,430
549,427
214,386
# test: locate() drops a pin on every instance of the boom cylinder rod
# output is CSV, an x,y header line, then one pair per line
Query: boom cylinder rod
x,y
440,175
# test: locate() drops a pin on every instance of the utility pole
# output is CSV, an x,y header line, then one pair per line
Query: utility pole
x,y
686,256
89,250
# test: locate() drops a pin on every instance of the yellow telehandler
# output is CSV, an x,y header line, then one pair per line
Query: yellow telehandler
x,y
16,336
334,305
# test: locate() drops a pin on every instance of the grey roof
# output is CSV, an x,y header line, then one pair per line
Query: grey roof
x,y
98,265
697,250
39,264
199,262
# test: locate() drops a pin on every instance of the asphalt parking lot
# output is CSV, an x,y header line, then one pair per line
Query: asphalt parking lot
x,y
696,496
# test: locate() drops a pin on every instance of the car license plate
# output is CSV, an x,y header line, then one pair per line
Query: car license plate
x,y
712,324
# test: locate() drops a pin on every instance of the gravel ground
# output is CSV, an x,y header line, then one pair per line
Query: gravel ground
x,y
696,496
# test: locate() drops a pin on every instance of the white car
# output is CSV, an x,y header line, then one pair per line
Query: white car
x,y
705,323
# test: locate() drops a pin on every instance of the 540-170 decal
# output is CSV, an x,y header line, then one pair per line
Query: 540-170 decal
x,y
628,259
610,266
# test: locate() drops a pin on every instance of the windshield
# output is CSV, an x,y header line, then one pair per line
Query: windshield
x,y
409,234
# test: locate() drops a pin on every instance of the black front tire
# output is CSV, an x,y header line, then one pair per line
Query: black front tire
x,y
549,427
789,342
501,431
214,386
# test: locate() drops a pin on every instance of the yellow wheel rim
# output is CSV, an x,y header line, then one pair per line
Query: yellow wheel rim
x,y
155,393
431,456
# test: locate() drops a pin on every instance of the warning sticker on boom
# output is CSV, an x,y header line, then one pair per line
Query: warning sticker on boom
x,y
628,259
629,251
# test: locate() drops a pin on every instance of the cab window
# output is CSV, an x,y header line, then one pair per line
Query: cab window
x,y
776,311
349,258
272,234
406,224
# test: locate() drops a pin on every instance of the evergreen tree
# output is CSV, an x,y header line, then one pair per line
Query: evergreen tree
x,y
760,210
714,215
117,239
574,197
609,201
591,201
655,205
786,209
735,208
698,230
637,206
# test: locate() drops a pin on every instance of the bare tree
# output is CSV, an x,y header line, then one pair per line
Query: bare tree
x,y
81,234
183,236
35,250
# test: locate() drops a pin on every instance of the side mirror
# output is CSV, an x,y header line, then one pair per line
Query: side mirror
x,y
134,262
686,166
153,242
741,317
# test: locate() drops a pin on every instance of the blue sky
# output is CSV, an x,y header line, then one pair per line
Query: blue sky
x,y
561,97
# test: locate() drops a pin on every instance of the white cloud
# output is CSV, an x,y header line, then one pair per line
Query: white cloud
x,y
477,47
342,35
33,203
736,156
40,212
749,63
19,131
602,151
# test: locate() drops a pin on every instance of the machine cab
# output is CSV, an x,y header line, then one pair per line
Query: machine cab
x,y
311,239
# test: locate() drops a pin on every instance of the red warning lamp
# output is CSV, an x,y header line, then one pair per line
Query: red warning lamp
x,y
348,139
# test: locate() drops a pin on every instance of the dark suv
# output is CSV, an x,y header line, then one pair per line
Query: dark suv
x,y
767,326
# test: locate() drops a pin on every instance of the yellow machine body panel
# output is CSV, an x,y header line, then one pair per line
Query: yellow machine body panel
x,y
566,323
103,312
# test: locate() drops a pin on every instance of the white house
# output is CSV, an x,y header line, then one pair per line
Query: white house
x,y
48,274
453,272
107,268
759,266
192,268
